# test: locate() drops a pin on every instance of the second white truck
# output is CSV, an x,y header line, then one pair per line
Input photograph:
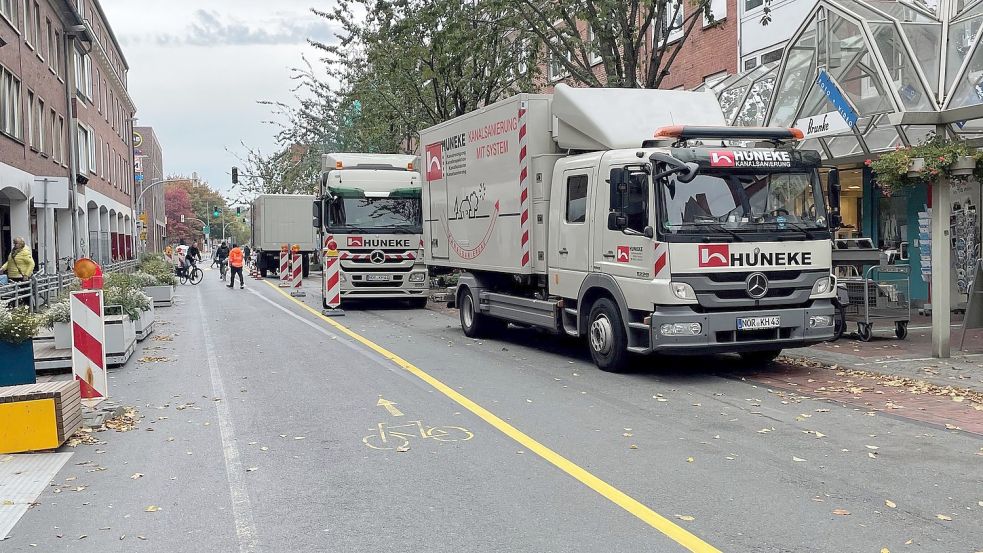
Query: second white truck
x,y
570,212
369,208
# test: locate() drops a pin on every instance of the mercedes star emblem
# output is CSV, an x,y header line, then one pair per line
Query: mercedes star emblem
x,y
757,285
378,257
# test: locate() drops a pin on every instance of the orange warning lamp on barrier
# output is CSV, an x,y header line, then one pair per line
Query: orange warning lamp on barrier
x,y
332,249
89,272
295,248
284,247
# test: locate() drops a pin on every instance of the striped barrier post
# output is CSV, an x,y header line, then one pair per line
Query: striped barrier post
x,y
89,345
331,293
297,268
284,272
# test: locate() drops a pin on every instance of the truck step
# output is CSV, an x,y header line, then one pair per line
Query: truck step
x,y
639,326
639,349
570,311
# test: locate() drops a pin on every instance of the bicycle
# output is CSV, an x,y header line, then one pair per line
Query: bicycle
x,y
387,438
190,274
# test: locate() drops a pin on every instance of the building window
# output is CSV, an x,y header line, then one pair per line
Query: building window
x,y
52,48
673,28
62,143
750,63
60,56
41,128
36,27
85,150
7,10
10,104
31,141
772,56
719,10
753,4
576,199
83,74
80,7
594,45
555,68
100,161
54,144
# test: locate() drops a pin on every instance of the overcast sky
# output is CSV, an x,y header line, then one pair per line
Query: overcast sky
x,y
198,67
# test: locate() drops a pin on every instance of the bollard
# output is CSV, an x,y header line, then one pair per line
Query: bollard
x,y
297,268
284,272
332,281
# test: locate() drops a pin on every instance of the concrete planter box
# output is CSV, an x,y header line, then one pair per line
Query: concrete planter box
x,y
63,335
963,166
145,324
121,337
916,167
163,296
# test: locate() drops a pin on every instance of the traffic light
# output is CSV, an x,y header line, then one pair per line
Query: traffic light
x,y
238,211
235,175
215,212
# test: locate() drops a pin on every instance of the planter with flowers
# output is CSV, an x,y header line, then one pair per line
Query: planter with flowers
x,y
18,327
938,157
58,318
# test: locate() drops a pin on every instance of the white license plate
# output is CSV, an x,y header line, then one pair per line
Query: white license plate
x,y
758,323
378,278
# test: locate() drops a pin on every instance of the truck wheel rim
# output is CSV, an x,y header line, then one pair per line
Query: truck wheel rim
x,y
468,310
601,333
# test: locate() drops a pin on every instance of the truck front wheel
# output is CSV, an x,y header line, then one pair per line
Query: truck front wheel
x,y
607,338
473,322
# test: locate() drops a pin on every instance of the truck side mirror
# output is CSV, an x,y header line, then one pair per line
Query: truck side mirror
x,y
833,185
619,187
689,173
317,214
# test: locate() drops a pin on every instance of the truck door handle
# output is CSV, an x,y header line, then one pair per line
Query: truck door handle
x,y
608,254
563,251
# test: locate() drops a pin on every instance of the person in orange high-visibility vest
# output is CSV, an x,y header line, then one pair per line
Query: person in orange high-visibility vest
x,y
236,259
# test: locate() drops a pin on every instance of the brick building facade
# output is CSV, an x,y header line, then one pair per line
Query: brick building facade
x,y
49,194
149,165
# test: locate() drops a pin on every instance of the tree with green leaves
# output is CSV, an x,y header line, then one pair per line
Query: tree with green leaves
x,y
635,41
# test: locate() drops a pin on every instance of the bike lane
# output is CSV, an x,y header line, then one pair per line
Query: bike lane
x,y
743,467
443,480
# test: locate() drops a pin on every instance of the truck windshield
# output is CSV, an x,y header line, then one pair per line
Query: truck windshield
x,y
738,202
396,215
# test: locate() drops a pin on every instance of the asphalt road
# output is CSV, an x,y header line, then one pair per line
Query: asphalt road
x,y
263,431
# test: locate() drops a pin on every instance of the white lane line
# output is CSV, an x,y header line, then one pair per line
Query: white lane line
x,y
242,512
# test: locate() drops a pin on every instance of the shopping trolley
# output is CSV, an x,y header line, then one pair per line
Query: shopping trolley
x,y
881,294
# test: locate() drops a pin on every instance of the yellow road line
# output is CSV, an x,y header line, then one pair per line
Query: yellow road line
x,y
672,530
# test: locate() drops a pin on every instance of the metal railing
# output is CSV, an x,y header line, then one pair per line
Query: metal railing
x,y
41,289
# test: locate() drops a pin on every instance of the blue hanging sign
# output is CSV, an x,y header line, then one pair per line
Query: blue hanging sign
x,y
836,98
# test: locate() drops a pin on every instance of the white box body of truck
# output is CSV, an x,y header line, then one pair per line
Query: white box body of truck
x,y
278,220
528,197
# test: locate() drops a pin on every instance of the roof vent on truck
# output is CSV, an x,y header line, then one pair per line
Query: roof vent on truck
x,y
682,133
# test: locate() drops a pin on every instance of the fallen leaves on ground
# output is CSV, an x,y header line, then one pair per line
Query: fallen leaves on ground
x,y
83,436
890,503
798,459
943,517
841,512
136,475
126,421
403,448
164,338
151,509
687,518
153,359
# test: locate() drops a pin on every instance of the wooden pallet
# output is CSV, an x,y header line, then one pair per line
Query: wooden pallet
x,y
39,416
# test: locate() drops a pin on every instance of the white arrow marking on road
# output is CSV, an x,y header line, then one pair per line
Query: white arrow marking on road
x,y
390,406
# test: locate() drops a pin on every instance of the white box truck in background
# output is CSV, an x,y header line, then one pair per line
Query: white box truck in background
x,y
279,219
369,207
567,212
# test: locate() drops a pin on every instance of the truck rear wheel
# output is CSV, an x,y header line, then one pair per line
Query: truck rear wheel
x,y
607,338
473,322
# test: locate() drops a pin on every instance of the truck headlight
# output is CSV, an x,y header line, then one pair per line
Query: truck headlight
x,y
682,290
418,277
822,286
680,329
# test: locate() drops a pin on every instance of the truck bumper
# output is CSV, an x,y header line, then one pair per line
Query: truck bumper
x,y
719,333
354,289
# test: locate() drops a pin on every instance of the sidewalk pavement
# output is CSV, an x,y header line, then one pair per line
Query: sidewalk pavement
x,y
911,357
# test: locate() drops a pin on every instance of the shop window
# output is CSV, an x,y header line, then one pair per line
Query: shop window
x,y
772,56
893,222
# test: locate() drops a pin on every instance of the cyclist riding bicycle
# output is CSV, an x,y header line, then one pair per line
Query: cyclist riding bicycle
x,y
222,257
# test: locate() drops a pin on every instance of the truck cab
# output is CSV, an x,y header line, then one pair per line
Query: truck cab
x,y
703,248
368,206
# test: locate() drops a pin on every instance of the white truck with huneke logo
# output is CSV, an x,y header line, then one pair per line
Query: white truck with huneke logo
x,y
633,218
368,214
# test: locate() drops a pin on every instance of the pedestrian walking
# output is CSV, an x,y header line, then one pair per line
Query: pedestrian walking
x,y
247,253
236,259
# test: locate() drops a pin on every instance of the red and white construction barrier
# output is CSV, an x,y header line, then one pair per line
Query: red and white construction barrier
x,y
332,280
284,272
89,345
297,278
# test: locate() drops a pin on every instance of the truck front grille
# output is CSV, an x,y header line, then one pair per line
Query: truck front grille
x,y
725,291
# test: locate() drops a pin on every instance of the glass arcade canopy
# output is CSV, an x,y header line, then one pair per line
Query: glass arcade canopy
x,y
884,57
